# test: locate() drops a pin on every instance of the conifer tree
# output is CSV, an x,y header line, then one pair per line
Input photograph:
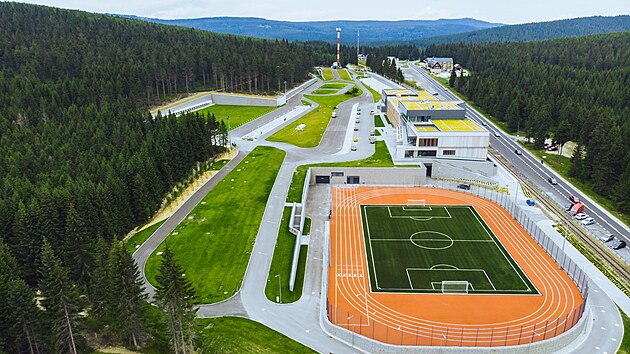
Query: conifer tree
x,y
24,316
125,296
175,295
60,300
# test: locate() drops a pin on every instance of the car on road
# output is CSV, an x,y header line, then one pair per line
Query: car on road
x,y
552,181
435,93
464,186
588,221
606,238
518,152
619,245
334,114
497,134
581,216
484,123
353,148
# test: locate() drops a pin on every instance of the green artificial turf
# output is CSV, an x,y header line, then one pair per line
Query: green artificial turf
x,y
327,73
280,270
343,74
214,242
239,115
139,237
412,249
232,335
315,122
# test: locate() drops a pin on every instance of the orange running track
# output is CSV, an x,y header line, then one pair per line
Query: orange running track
x,y
439,319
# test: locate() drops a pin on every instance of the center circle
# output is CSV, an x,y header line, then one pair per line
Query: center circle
x,y
431,240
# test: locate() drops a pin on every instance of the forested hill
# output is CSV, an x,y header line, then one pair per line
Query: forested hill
x,y
536,31
570,89
372,32
82,162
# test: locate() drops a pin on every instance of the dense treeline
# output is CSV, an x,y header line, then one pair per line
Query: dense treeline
x,y
82,161
574,89
537,31
378,59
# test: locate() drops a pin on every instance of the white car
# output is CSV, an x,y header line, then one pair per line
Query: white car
x,y
588,221
581,216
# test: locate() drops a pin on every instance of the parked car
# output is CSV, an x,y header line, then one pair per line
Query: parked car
x,y
581,216
358,113
553,148
568,207
464,186
606,238
619,245
353,148
552,180
588,221
358,109
372,112
356,129
372,139
547,146
518,152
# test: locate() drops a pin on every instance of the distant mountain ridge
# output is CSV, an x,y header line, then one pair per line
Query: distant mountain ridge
x,y
575,27
370,31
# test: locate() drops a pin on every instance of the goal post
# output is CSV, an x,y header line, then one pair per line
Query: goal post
x,y
415,203
455,286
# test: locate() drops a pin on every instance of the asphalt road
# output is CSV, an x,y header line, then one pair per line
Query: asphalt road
x,y
529,164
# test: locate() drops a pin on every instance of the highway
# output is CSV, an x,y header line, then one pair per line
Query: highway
x,y
528,164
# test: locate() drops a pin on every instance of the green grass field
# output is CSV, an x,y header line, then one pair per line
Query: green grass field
x,y
625,342
315,122
139,237
381,158
334,85
412,249
378,122
239,115
327,73
214,242
281,264
324,92
239,335
377,96
343,74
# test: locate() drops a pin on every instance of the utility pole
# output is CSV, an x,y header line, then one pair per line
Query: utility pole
x,y
358,46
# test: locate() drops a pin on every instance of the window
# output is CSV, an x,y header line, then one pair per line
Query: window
x,y
336,174
448,152
427,153
428,142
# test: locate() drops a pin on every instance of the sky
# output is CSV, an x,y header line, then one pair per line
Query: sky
x,y
498,11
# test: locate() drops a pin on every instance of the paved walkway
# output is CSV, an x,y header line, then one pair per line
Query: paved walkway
x,y
301,320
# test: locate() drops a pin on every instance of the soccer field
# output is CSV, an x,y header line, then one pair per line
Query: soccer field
x,y
437,249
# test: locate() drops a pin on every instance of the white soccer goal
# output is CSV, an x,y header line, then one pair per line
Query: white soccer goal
x,y
411,203
455,287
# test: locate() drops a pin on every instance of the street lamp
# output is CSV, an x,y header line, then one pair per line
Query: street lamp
x,y
285,87
229,137
279,285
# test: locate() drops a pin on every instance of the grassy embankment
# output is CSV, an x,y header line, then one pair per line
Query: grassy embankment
x,y
239,115
214,242
280,269
344,75
313,123
327,74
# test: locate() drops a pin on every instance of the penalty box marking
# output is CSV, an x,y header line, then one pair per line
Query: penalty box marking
x,y
452,270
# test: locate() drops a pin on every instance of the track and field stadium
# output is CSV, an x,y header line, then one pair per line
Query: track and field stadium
x,y
419,266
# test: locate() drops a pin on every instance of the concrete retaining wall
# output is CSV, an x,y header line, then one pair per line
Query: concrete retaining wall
x,y
373,176
467,169
241,100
